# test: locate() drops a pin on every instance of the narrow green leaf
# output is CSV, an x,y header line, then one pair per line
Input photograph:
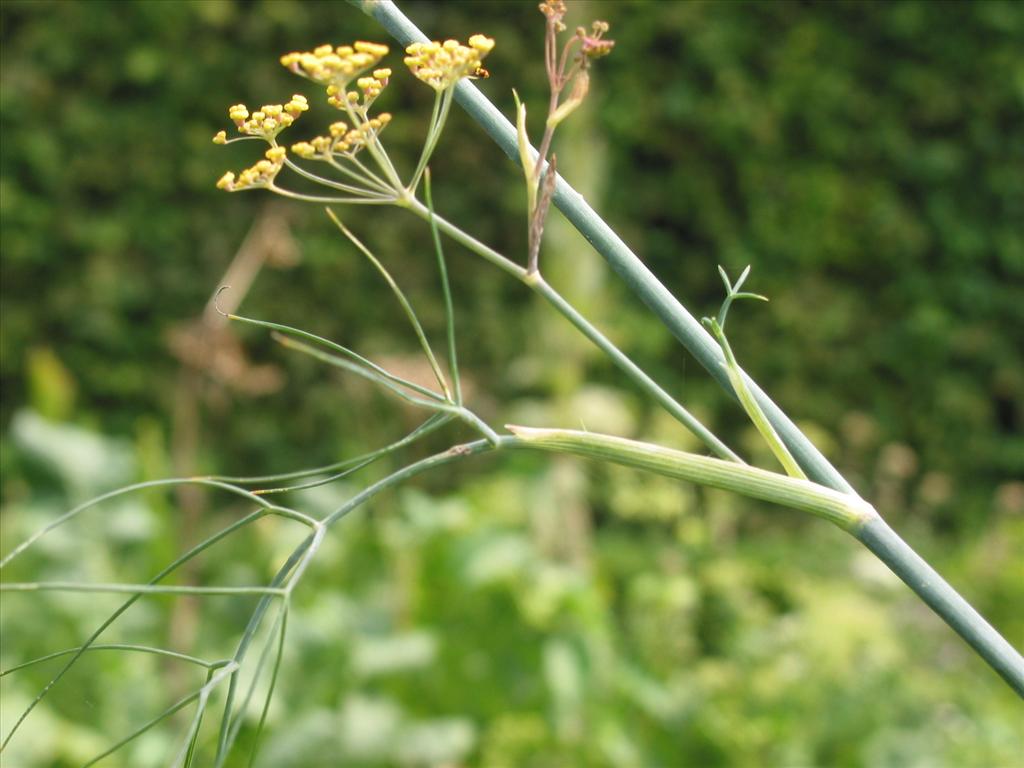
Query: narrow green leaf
x,y
117,647
434,421
449,313
402,300
288,330
386,381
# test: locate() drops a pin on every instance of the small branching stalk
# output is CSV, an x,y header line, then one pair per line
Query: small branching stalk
x,y
565,67
754,411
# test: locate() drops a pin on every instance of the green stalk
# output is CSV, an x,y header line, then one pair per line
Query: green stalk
x,y
132,589
296,168
376,150
463,238
631,369
204,481
359,359
445,407
119,647
255,619
274,632
431,423
442,105
327,200
410,313
358,370
717,327
537,284
449,312
752,409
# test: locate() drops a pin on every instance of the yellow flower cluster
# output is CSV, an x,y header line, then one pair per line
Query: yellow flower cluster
x,y
260,175
342,140
441,65
370,88
335,66
266,122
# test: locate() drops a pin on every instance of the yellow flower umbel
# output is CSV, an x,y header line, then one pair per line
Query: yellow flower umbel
x,y
335,66
260,175
266,122
441,65
343,140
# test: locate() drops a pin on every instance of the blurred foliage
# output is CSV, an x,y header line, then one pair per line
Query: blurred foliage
x,y
866,159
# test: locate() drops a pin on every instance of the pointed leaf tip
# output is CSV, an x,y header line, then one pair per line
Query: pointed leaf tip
x,y
725,278
742,278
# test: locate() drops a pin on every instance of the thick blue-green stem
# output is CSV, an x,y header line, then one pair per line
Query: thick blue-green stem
x,y
988,643
875,534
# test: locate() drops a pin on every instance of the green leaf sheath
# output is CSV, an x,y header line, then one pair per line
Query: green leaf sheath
x,y
844,510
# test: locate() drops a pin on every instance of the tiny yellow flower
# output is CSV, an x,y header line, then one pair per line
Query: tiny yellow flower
x,y
374,49
481,44
220,138
297,105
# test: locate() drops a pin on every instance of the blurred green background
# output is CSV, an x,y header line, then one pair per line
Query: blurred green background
x,y
867,159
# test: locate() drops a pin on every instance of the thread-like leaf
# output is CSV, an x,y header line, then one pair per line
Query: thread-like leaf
x,y
402,300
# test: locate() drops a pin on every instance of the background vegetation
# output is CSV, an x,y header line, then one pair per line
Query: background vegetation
x,y
865,158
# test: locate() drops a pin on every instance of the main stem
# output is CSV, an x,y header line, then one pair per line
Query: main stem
x,y
875,534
